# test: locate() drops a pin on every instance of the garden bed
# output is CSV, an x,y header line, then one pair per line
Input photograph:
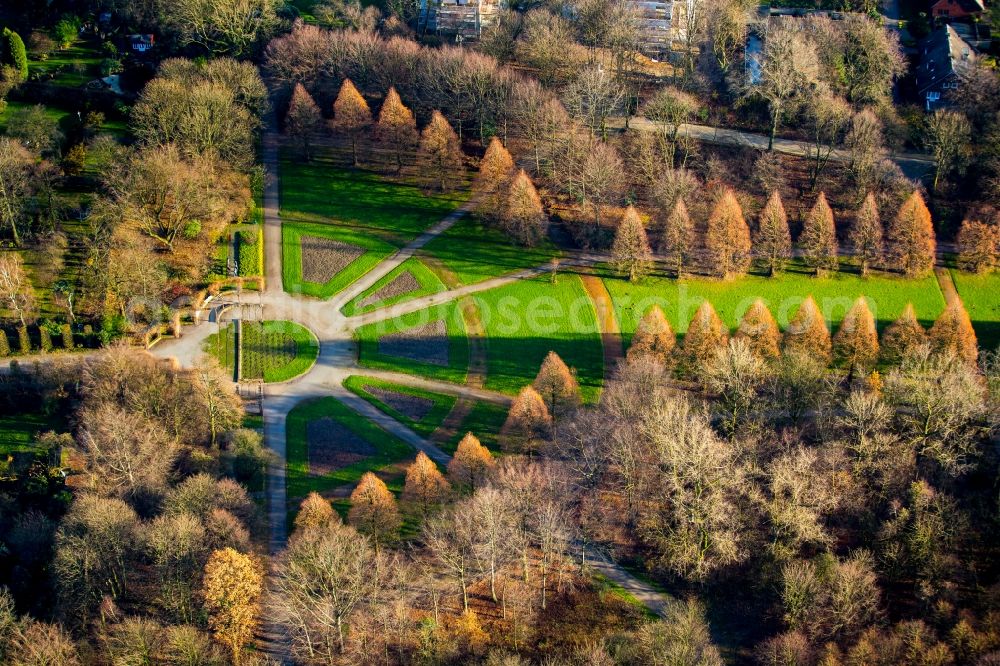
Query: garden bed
x,y
427,343
421,411
332,446
324,258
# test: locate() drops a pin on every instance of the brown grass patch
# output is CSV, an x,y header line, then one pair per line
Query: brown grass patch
x,y
332,445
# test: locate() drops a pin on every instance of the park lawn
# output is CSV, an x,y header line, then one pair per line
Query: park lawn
x,y
474,252
429,284
457,369
221,346
394,210
277,351
527,319
73,67
19,432
299,482
981,296
484,421
443,404
291,256
249,249
886,296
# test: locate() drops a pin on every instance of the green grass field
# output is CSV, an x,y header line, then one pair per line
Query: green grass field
x,y
484,421
887,296
442,404
429,284
250,250
73,66
299,481
474,252
458,345
981,296
527,319
274,351
19,432
291,256
322,191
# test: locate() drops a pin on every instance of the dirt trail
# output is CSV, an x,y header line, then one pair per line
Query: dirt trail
x,y
611,336
947,285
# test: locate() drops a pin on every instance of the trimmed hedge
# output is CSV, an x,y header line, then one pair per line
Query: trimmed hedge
x,y
250,252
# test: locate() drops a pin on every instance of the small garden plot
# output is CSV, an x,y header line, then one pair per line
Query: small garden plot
x,y
321,259
222,347
277,351
331,446
429,342
409,280
484,420
475,252
322,190
886,295
981,296
250,250
326,434
422,411
525,320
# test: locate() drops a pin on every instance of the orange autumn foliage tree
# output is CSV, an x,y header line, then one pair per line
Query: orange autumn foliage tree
x,y
910,241
630,252
396,128
303,120
728,237
675,237
706,334
471,464
351,115
653,338
818,239
496,170
523,217
232,588
528,423
373,510
978,244
315,512
807,333
952,333
441,151
759,329
866,235
773,240
856,341
557,386
425,486
902,337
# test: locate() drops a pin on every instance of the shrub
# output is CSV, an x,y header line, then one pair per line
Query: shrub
x,y
45,339
67,336
4,344
250,252
75,160
15,53
66,31
23,340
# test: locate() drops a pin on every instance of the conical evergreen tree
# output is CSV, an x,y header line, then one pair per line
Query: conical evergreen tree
x,y
910,242
902,337
471,465
952,333
856,341
654,338
676,235
630,253
807,333
978,244
524,218
819,237
396,128
440,150
866,235
303,122
706,334
528,423
760,331
351,115
728,237
773,241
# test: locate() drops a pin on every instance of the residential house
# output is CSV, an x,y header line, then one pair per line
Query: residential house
x,y
945,59
956,9
141,43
